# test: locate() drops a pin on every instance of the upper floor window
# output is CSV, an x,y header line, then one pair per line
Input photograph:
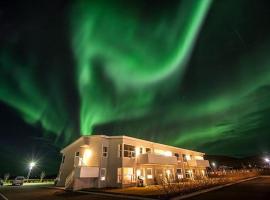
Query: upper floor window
x,y
184,158
176,155
147,150
119,150
129,151
104,151
77,154
141,150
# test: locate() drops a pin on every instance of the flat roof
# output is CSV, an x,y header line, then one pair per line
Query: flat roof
x,y
131,138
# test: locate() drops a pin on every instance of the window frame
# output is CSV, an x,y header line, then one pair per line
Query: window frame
x,y
105,172
105,152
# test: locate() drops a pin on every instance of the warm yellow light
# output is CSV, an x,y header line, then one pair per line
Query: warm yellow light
x,y
138,172
188,157
168,172
198,158
86,156
149,176
87,153
137,150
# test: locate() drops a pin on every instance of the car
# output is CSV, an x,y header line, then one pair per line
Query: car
x,y
1,182
18,180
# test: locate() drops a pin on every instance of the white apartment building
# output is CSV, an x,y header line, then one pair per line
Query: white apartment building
x,y
119,161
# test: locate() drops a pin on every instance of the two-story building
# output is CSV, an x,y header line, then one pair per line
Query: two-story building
x,y
119,161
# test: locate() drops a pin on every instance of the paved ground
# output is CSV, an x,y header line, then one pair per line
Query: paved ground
x,y
256,189
35,192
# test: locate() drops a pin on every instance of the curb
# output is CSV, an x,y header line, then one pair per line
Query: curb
x,y
3,196
211,189
116,195
106,194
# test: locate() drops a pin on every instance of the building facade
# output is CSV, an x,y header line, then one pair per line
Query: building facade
x,y
99,161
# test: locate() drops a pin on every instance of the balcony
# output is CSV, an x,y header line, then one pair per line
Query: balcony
x,y
151,158
198,163
86,172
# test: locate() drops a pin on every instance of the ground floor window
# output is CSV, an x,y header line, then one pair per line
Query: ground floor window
x,y
128,175
149,173
179,173
102,174
119,175
188,173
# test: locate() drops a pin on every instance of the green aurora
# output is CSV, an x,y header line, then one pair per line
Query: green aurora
x,y
169,72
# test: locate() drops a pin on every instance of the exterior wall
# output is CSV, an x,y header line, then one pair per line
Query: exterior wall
x,y
113,163
68,165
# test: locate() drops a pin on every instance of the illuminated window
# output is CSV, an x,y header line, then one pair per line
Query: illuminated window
x,y
77,154
119,175
198,157
129,151
162,152
188,173
149,174
179,174
102,174
105,151
128,175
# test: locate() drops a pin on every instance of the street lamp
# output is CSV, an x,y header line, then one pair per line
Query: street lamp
x,y
31,166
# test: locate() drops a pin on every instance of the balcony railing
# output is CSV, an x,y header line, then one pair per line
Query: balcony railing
x,y
86,172
198,163
152,158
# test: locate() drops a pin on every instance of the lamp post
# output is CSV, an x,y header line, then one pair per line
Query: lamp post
x,y
31,166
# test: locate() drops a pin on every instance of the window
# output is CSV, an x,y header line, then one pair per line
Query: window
x,y
120,150
129,151
141,150
102,174
184,158
77,154
178,171
104,151
63,158
149,174
188,173
179,174
119,175
176,155
128,175
147,150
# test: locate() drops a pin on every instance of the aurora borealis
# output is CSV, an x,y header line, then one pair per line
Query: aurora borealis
x,y
189,73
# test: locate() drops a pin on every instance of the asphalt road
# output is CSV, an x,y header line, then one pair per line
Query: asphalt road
x,y
43,193
256,189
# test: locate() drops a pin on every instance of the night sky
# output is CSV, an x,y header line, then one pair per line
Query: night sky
x,y
190,73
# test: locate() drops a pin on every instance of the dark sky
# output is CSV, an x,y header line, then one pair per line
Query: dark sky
x,y
194,74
